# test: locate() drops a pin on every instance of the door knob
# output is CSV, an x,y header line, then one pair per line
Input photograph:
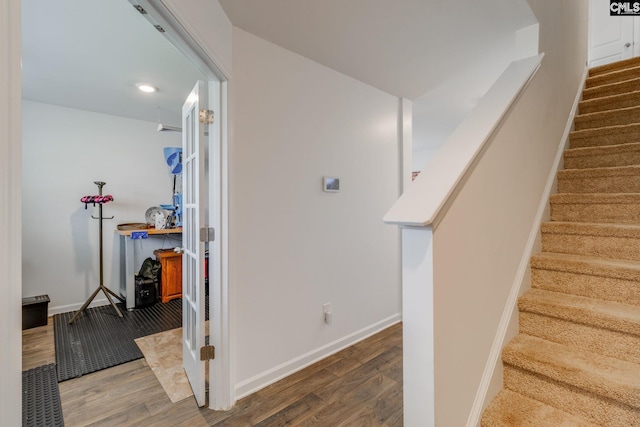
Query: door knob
x,y
627,44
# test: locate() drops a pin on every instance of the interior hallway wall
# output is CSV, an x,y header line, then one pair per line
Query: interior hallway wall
x,y
294,247
481,239
64,151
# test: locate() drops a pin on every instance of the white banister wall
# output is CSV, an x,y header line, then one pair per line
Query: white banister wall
x,y
468,219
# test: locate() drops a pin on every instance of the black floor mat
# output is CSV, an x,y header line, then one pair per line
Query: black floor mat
x,y
41,398
99,339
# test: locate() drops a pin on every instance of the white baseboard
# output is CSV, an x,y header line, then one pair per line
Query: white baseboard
x,y
279,372
73,307
499,340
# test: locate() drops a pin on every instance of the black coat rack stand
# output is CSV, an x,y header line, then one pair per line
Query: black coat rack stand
x,y
100,200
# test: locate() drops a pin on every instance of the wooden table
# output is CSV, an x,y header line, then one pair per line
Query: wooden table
x,y
127,285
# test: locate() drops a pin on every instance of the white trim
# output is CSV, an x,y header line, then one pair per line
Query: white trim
x,y
181,35
405,142
285,369
73,307
10,213
507,314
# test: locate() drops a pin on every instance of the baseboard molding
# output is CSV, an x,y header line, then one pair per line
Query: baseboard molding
x,y
73,307
479,402
279,372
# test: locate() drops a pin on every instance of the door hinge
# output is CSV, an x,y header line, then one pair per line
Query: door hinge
x,y
208,352
206,117
207,234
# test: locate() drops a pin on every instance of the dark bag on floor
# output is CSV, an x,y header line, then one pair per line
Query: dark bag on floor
x,y
146,283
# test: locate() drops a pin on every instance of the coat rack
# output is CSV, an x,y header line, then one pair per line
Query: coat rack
x,y
99,200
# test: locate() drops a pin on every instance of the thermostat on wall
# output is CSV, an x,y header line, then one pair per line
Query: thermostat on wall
x,y
331,184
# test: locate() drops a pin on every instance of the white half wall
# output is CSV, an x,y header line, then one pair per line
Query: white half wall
x,y
64,152
479,244
294,247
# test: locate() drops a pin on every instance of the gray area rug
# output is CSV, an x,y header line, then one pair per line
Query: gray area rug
x,y
41,398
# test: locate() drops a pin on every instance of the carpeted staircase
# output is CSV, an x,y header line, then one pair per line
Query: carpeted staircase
x,y
576,360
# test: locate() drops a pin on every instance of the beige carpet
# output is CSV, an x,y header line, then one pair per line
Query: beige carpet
x,y
576,359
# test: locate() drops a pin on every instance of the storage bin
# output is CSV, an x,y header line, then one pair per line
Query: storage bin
x,y
34,311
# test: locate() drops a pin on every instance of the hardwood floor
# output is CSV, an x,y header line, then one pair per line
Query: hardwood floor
x,y
359,386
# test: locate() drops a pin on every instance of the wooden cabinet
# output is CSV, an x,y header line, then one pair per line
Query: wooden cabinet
x,y
171,274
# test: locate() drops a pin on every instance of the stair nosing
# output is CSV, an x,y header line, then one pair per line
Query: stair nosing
x,y
588,375
611,98
586,116
589,90
611,149
594,198
596,229
605,314
510,396
626,170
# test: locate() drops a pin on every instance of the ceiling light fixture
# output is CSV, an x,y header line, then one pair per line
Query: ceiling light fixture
x,y
146,87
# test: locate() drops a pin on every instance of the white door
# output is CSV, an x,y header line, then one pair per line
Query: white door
x,y
611,38
194,194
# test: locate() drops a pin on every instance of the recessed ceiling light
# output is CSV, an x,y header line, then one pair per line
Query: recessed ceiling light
x,y
146,87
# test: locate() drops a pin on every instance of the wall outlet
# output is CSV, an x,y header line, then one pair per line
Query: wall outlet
x,y
328,314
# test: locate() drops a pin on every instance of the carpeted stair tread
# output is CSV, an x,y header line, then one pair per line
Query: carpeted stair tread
x,y
618,65
605,267
592,239
614,316
603,156
620,116
622,208
595,198
617,179
608,135
626,86
510,409
602,375
607,279
613,76
591,229
608,103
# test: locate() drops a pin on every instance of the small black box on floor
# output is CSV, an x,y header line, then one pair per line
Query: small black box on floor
x,y
34,311
146,291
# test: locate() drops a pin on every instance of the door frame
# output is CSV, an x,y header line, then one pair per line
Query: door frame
x,y
221,387
10,210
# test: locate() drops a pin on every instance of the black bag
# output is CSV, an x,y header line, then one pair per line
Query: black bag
x,y
146,283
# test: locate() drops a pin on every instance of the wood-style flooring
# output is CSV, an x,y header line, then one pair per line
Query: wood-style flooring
x,y
359,386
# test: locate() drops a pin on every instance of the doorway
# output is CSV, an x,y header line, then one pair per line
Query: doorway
x,y
611,38
115,153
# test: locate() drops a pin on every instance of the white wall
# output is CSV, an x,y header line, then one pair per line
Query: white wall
x,y
10,242
294,247
480,242
437,113
64,152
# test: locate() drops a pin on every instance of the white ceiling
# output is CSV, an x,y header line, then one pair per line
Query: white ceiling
x,y
404,47
89,54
